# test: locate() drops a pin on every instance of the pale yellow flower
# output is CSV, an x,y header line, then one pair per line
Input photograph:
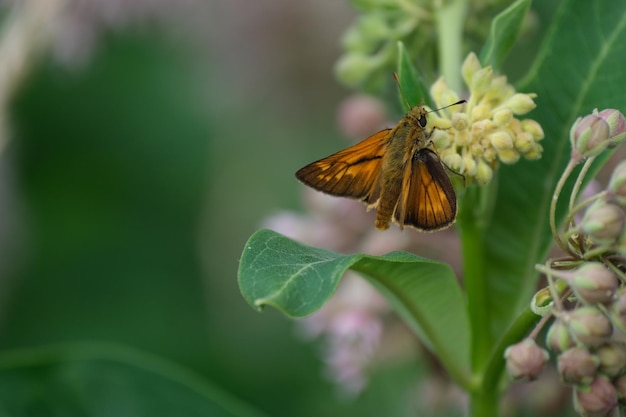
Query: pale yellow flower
x,y
474,138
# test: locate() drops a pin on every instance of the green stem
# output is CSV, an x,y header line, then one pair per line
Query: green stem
x,y
449,21
484,402
473,215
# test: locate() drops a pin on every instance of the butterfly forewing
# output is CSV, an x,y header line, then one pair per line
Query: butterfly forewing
x,y
428,201
353,172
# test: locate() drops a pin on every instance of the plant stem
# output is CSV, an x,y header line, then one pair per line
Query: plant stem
x,y
471,227
449,22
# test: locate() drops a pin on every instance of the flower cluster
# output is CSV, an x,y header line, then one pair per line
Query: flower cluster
x,y
473,141
370,43
588,286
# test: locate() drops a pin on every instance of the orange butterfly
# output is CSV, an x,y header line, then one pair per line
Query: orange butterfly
x,y
394,171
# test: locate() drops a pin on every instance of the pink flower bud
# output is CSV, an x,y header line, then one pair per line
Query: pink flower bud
x,y
617,184
593,283
612,359
603,222
597,399
558,338
593,133
577,366
620,387
589,135
616,121
525,360
618,309
589,326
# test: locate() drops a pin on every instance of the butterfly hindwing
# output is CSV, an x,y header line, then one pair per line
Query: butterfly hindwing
x,y
353,172
428,201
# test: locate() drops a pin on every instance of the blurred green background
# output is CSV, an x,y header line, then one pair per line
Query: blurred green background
x,y
130,182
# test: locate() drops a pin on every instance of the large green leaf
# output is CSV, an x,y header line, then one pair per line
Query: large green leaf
x,y
579,67
298,280
106,380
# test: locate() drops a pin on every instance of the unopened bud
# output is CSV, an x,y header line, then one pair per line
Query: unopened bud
x,y
354,68
484,173
469,67
618,309
597,399
617,124
525,360
617,184
593,283
595,132
558,338
577,366
620,387
603,222
612,359
589,326
589,136
520,103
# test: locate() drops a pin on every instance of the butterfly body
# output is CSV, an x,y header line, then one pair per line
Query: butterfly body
x,y
393,171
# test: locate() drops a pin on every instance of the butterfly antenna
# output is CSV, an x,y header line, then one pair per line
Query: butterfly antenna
x,y
406,102
449,105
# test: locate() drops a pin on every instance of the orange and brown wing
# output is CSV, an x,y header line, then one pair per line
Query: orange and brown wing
x,y
353,172
428,200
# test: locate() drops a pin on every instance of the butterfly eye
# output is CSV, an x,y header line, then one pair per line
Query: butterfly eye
x,y
423,121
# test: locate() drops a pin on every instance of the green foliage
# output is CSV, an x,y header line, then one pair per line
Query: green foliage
x,y
411,84
106,380
503,34
504,228
299,279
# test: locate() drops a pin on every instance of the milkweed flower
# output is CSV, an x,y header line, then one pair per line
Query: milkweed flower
x,y
473,140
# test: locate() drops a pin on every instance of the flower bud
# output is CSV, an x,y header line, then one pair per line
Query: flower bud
x,y
589,136
524,142
593,283
454,162
470,164
508,156
501,140
359,115
469,68
617,184
616,121
603,222
620,387
520,103
589,326
612,359
481,80
484,173
354,68
441,138
532,127
558,337
525,360
577,366
618,309
598,399
503,117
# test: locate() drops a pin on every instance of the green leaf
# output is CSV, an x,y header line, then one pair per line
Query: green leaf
x,y
503,33
107,380
580,67
298,279
412,86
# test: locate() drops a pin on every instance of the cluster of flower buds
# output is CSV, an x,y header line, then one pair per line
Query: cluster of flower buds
x,y
588,288
474,140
